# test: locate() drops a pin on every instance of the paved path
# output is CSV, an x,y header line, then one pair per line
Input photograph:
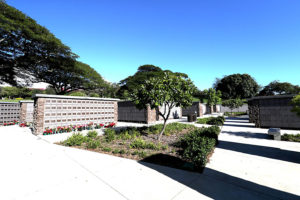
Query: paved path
x,y
32,168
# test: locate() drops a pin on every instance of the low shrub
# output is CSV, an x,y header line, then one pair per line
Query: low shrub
x,y
171,128
203,120
93,144
139,143
106,149
219,121
122,151
109,135
198,144
128,133
116,151
140,154
75,140
92,134
291,137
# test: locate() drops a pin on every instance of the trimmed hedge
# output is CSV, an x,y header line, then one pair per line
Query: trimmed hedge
x,y
218,121
198,144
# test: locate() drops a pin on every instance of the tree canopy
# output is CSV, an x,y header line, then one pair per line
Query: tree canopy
x,y
31,53
296,105
233,103
237,86
213,97
278,88
167,91
144,72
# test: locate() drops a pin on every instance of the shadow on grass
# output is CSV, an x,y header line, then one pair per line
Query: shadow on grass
x,y
212,183
264,151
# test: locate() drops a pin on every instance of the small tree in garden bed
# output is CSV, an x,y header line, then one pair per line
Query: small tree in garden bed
x,y
233,103
213,97
165,91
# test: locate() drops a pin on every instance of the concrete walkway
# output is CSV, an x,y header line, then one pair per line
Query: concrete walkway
x,y
245,165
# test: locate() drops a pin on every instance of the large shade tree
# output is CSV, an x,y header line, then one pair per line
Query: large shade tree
x,y
279,88
237,86
31,53
166,91
143,73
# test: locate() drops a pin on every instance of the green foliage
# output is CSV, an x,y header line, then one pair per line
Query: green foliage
x,y
165,91
219,121
79,94
144,72
233,103
291,137
140,154
296,105
170,129
32,53
93,144
94,95
198,144
115,151
213,97
278,88
75,140
109,135
106,149
27,47
203,120
139,143
237,86
92,134
128,133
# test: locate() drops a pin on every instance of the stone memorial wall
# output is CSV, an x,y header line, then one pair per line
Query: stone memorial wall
x,y
195,108
273,112
9,111
26,111
52,111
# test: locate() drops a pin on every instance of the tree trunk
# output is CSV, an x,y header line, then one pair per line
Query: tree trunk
x,y
162,131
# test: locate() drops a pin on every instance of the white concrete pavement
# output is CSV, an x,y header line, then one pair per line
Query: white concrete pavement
x,y
32,168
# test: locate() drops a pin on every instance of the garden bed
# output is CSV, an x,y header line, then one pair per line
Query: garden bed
x,y
182,146
291,137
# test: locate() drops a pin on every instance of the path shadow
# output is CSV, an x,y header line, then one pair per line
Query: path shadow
x,y
264,151
237,118
240,125
235,121
218,185
249,134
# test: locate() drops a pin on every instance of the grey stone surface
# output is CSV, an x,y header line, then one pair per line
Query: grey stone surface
x,y
273,111
275,132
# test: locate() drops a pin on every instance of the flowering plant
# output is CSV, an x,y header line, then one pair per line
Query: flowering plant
x,y
70,128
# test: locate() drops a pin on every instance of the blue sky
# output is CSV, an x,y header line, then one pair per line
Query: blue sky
x,y
204,38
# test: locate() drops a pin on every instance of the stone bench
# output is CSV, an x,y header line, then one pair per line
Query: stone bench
x,y
275,132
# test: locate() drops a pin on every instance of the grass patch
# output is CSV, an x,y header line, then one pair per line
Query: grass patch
x,y
291,137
